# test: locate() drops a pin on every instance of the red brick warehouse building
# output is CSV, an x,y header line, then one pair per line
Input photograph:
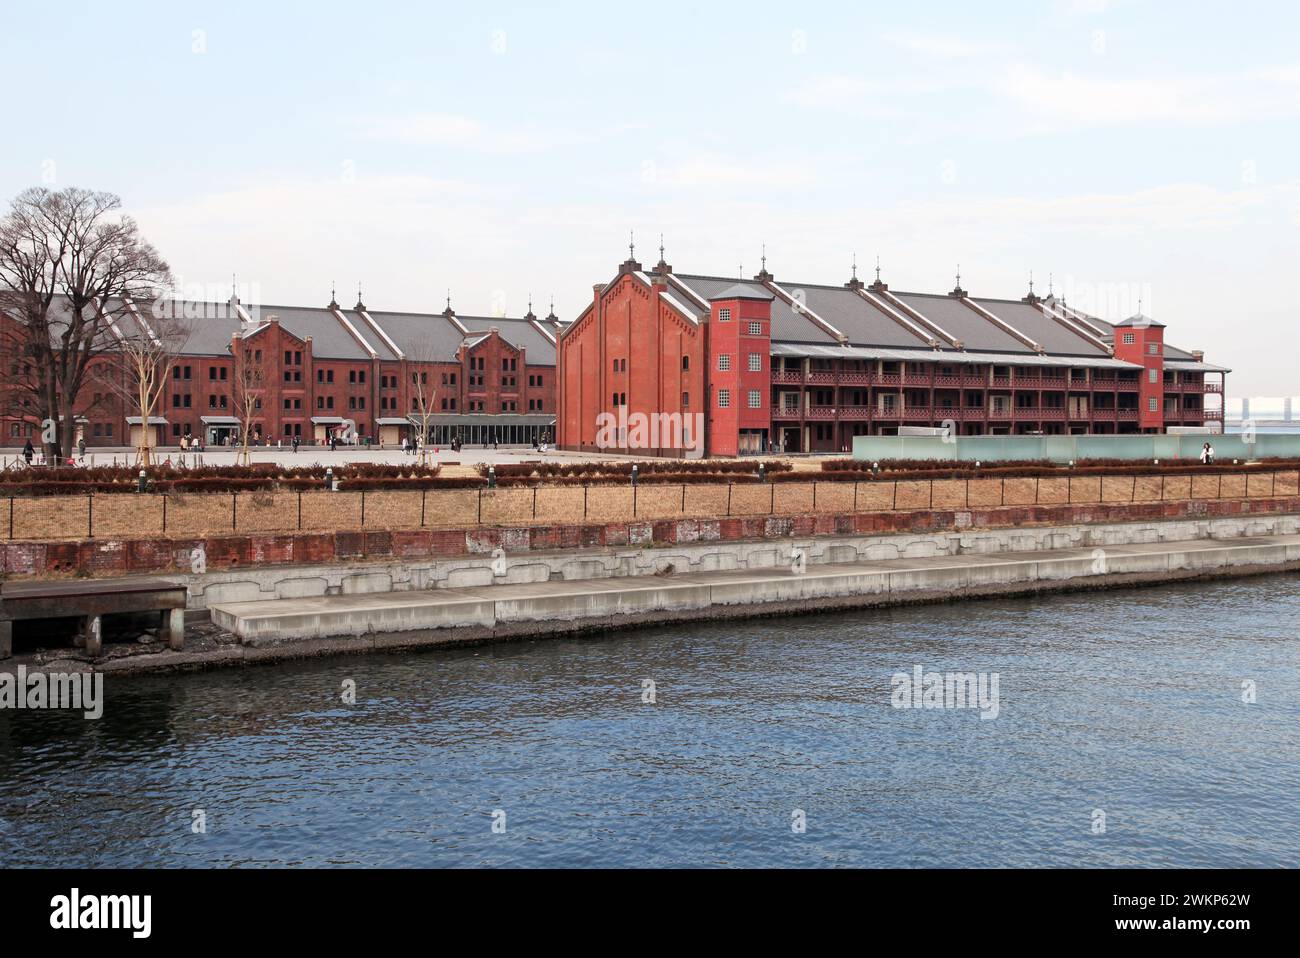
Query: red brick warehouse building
x,y
489,377
801,367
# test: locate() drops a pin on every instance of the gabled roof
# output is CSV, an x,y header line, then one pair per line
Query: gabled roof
x,y
973,330
786,323
1054,336
519,332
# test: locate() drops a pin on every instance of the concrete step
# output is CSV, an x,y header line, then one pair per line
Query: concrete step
x,y
487,608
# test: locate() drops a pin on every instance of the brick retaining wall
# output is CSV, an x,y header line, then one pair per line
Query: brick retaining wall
x,y
118,555
130,516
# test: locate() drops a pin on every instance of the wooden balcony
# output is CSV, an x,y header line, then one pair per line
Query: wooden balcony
x,y
787,376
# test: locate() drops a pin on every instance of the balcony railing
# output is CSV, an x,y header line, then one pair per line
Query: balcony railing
x,y
787,376
821,376
1127,414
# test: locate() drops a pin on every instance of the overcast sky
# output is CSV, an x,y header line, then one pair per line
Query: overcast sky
x,y
1131,150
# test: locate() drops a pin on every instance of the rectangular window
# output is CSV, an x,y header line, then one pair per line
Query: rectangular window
x,y
755,362
724,362
756,329
686,400
724,398
724,315
1151,404
1153,349
1151,375
1128,339
755,399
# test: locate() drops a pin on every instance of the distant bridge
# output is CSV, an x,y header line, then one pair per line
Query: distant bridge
x,y
1264,409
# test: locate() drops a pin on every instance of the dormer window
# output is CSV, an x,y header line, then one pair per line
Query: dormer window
x,y
724,315
1128,339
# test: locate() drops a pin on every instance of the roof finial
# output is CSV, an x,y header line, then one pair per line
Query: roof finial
x,y
631,246
959,275
1050,291
1031,282
764,257
855,266
877,267
551,315
661,247
334,299
449,299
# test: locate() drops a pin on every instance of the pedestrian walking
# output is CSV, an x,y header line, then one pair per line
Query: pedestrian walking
x,y
28,451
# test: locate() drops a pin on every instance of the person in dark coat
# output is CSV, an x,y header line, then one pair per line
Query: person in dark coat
x,y
28,451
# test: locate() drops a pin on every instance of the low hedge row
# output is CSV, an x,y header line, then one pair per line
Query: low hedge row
x,y
715,467
990,466
653,479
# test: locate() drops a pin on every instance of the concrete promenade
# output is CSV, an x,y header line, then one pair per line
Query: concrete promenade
x,y
319,625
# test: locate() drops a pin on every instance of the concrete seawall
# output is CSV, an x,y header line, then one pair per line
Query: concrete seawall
x,y
448,616
250,584
474,599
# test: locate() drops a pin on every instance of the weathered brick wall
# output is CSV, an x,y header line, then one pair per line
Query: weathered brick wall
x,y
228,550
194,516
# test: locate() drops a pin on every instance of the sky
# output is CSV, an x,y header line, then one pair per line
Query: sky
x,y
1137,153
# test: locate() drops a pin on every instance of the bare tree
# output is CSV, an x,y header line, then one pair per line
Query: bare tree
x,y
146,344
248,386
70,263
423,391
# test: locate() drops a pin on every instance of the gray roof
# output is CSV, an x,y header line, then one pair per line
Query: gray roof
x,y
211,325
1042,329
432,337
330,339
424,337
786,323
743,291
855,317
800,350
963,323
517,332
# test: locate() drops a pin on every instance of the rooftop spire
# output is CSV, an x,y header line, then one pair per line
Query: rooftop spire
x,y
763,275
630,265
957,290
879,286
1032,298
662,266
334,303
529,314
361,306
854,282
551,315
449,311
